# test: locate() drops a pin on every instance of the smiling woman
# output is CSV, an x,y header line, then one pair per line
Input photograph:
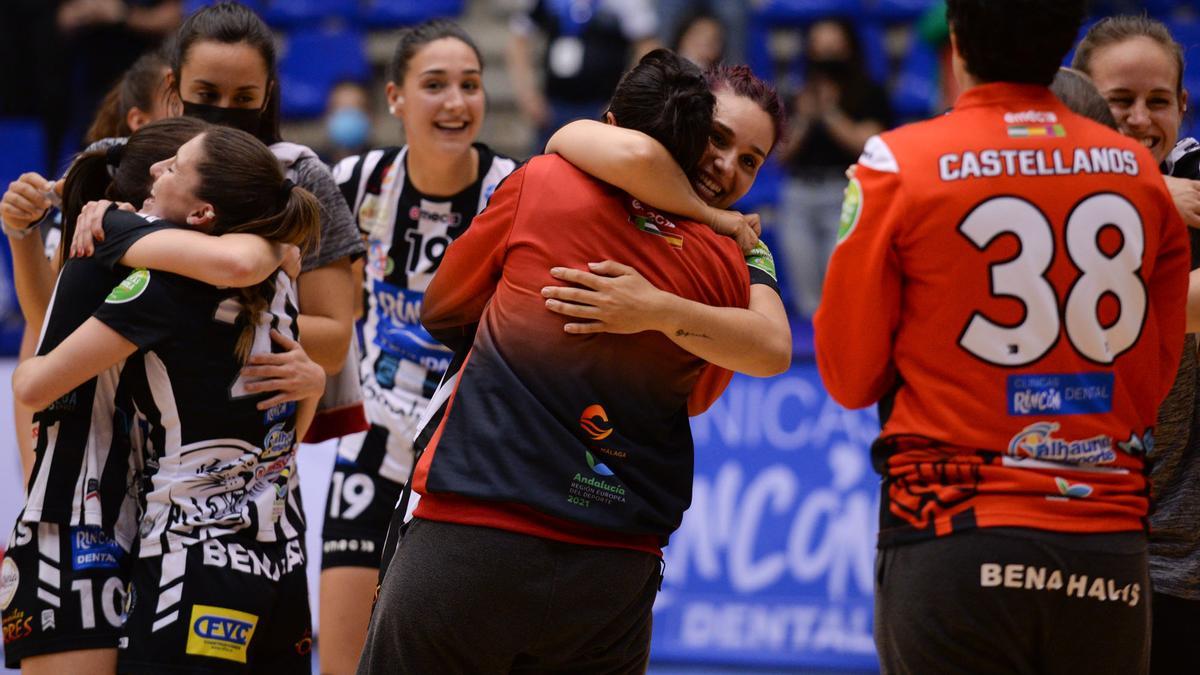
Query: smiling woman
x,y
1138,68
411,202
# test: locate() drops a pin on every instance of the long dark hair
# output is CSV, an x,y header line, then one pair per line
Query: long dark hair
x,y
855,82
242,180
1021,41
136,89
665,97
122,171
232,23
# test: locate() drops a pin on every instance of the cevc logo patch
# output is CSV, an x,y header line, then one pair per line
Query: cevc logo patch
x,y
133,286
10,577
220,633
852,202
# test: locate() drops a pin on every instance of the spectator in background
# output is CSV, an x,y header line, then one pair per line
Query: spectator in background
x,y
731,15
700,39
834,114
138,98
589,44
348,121
103,38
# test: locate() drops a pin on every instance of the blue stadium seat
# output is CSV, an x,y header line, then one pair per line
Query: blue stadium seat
x,y
915,90
806,11
313,62
875,58
901,10
24,143
296,13
388,13
190,6
758,57
1187,33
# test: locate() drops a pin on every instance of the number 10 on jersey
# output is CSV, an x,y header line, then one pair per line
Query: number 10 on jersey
x,y
1023,277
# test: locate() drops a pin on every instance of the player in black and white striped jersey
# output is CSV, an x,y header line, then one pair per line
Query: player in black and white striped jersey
x,y
410,203
64,577
220,473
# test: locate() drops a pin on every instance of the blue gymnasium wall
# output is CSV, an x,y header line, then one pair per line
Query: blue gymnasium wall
x,y
774,563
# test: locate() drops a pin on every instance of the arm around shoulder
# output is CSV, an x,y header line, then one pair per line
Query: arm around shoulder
x,y
89,351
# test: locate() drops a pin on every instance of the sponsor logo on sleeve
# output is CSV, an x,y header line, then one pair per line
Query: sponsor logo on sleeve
x,y
852,202
10,578
878,156
1060,394
220,633
92,548
134,285
760,258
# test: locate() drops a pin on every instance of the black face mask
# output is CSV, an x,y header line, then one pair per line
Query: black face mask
x,y
247,119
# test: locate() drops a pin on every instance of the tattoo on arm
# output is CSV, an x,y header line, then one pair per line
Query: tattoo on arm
x,y
683,333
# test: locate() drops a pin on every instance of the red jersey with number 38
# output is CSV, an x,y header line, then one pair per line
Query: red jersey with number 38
x,y
1012,277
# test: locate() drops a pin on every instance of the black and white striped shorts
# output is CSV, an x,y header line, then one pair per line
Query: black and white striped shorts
x,y
62,588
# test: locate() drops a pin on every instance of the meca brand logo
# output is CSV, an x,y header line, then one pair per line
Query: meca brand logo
x,y
222,629
1031,117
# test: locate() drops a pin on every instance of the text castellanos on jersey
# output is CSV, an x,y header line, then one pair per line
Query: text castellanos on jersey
x,y
1036,162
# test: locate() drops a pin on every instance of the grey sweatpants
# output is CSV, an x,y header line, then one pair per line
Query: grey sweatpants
x,y
464,599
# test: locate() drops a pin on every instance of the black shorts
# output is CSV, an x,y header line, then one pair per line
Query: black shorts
x,y
230,604
62,588
359,505
1014,601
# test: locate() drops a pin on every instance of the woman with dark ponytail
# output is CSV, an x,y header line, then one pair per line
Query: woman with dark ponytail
x,y
223,70
219,538
83,440
87,441
524,510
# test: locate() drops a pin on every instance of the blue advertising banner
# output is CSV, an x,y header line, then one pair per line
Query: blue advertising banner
x,y
774,562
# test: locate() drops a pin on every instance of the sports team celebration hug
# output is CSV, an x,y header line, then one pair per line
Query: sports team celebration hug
x,y
520,334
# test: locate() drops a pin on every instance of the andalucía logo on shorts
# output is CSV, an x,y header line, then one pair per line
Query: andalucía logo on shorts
x,y
851,209
133,286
